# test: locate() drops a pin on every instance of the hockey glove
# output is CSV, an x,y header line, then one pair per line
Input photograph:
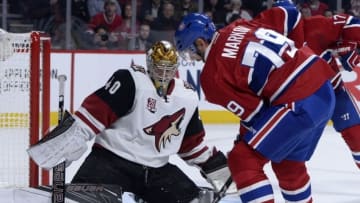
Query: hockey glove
x,y
215,170
348,54
67,142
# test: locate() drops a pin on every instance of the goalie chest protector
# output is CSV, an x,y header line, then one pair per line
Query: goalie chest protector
x,y
154,128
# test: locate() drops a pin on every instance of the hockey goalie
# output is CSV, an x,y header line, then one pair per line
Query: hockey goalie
x,y
139,118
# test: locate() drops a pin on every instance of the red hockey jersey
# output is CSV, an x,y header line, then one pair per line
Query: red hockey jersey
x,y
325,36
250,66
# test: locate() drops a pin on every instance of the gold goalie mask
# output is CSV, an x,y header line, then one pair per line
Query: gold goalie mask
x,y
162,63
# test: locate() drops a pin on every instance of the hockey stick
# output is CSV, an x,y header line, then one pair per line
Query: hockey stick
x,y
222,192
58,189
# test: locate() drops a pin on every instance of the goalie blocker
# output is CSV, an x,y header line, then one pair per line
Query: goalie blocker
x,y
67,142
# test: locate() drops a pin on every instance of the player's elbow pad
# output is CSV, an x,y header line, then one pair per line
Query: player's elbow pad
x,y
67,142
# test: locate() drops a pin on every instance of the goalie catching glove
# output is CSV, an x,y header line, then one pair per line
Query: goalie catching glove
x,y
215,170
67,142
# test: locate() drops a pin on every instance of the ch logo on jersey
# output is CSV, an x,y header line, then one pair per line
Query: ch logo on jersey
x,y
165,128
151,105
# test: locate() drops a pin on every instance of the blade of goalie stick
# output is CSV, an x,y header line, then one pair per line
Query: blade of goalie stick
x,y
58,189
90,193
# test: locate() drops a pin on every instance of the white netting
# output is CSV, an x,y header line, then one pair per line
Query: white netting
x,y
14,108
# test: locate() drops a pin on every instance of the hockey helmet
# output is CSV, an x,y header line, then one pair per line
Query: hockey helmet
x,y
283,3
162,62
192,27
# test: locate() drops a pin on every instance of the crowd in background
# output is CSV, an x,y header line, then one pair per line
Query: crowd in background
x,y
106,24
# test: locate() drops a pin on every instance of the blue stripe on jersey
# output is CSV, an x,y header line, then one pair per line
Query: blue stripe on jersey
x,y
256,193
297,197
326,55
263,66
298,72
354,21
292,18
356,157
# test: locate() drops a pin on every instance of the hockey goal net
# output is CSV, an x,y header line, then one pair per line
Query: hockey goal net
x,y
24,105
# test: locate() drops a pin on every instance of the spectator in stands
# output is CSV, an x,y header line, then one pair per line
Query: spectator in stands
x,y
237,10
103,39
97,6
138,3
109,18
150,10
142,41
328,13
233,18
219,13
209,14
58,38
78,9
355,8
184,7
43,13
126,27
316,7
305,12
166,19
254,6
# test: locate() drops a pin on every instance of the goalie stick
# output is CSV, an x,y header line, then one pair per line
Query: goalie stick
x,y
218,195
58,176
90,193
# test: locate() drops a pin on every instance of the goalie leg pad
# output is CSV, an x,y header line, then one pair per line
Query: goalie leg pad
x,y
169,184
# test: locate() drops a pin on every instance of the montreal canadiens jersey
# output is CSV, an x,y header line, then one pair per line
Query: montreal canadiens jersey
x,y
134,122
284,20
323,35
249,67
317,32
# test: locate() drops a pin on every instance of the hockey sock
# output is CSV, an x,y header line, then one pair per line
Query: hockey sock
x,y
352,138
246,166
294,181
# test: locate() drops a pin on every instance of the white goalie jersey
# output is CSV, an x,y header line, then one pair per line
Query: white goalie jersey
x,y
134,122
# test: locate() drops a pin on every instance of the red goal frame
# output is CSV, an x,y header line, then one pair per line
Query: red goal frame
x,y
39,106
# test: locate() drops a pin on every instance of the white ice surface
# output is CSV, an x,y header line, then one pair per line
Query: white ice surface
x,y
335,178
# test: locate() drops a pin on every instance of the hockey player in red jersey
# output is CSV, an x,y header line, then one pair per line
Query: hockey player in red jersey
x,y
140,118
260,76
336,40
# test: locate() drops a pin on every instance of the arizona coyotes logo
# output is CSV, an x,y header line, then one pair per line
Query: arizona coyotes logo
x,y
166,127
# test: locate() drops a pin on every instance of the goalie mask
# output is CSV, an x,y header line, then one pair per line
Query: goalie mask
x,y
162,63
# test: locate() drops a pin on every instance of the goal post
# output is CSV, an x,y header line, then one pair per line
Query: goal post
x,y
24,105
